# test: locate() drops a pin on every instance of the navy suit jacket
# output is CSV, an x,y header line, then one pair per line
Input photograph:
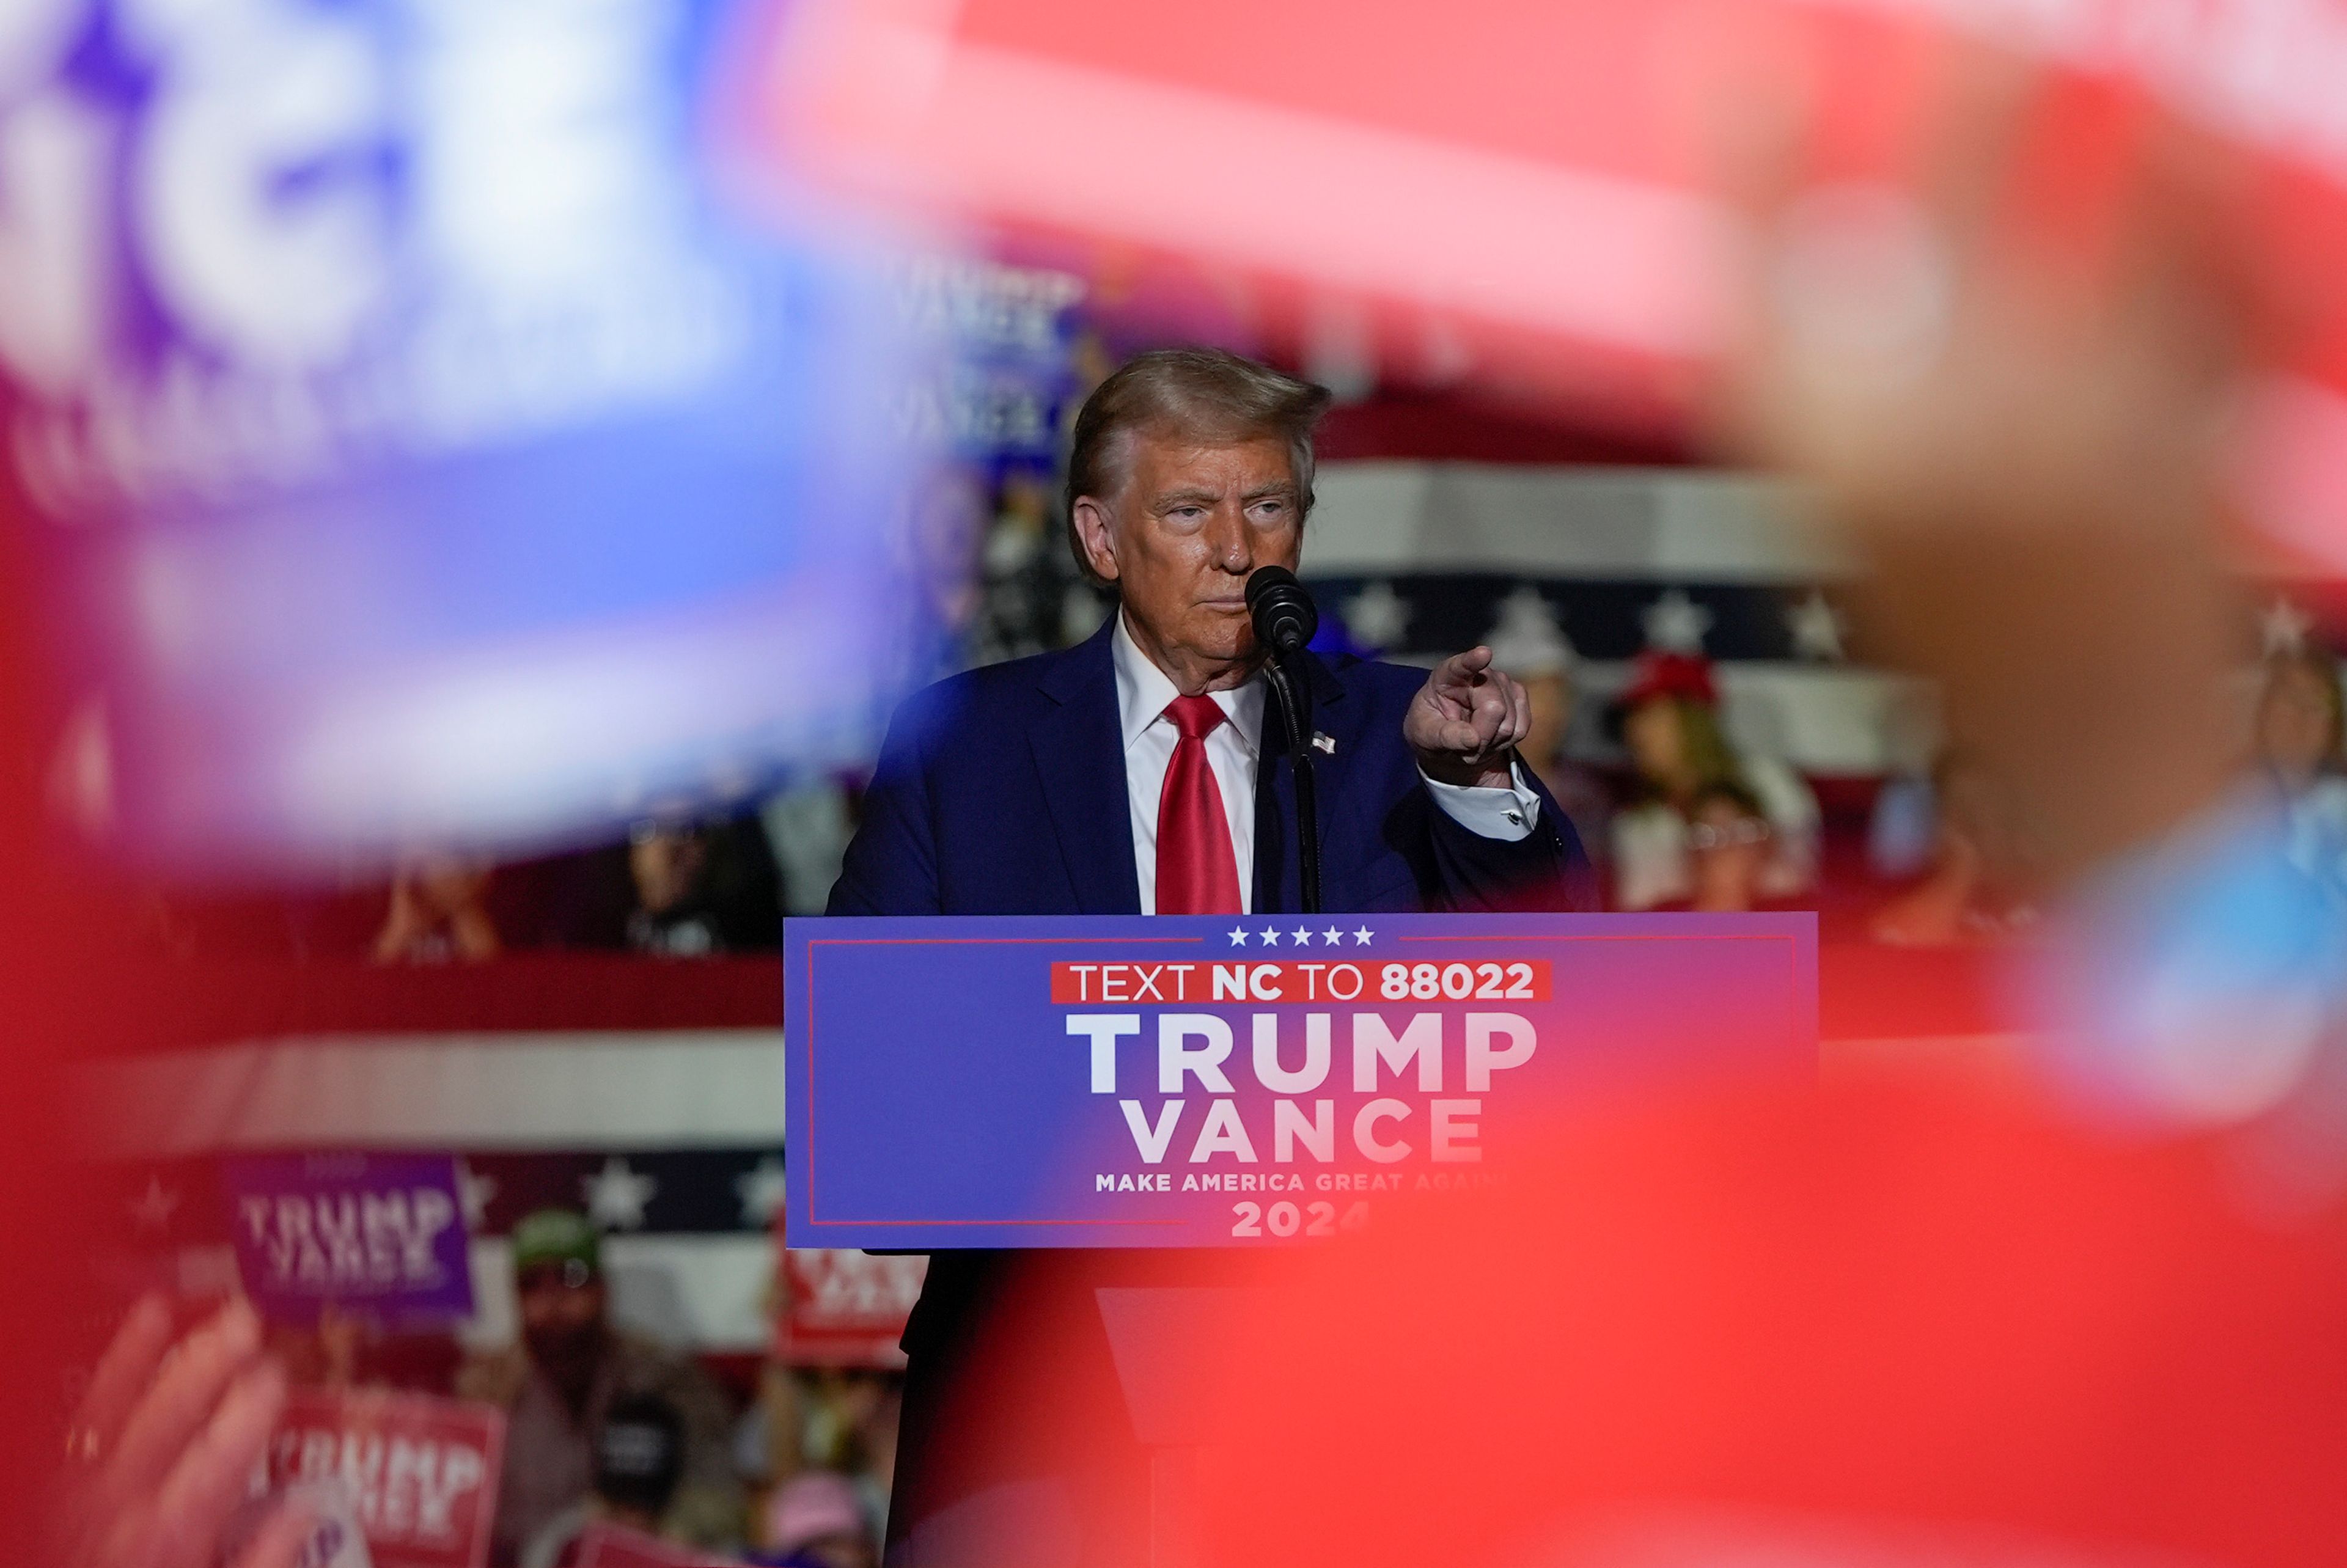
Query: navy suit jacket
x,y
1001,792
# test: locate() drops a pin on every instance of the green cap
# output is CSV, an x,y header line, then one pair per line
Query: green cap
x,y
556,1236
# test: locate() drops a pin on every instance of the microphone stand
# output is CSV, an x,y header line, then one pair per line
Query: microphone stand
x,y
1293,695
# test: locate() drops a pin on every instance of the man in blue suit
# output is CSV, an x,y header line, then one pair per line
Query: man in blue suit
x,y
1145,773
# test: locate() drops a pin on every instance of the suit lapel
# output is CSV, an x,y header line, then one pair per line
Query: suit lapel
x,y
1078,748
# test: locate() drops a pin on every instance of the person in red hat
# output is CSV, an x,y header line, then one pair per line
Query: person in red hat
x,y
1682,764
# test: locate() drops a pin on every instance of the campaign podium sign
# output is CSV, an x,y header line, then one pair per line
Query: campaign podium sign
x,y
1028,1081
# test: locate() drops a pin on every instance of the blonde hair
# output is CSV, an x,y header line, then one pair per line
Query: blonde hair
x,y
1210,394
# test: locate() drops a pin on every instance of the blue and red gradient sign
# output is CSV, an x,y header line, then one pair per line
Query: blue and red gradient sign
x,y
1193,1081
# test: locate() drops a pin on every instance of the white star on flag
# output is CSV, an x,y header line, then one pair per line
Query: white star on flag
x,y
1377,617
1525,639
761,1191
1361,938
2285,626
1676,623
1815,626
152,1208
1302,937
475,1191
1238,935
1271,938
616,1195
1331,937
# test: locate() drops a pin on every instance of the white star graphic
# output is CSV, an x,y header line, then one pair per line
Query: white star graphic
x,y
151,1210
1238,935
476,1191
1302,937
1815,626
2285,626
1525,639
761,1191
1676,623
616,1195
1331,937
1361,938
1271,938
1377,617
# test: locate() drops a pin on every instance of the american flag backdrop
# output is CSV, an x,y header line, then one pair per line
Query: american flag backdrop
x,y
1419,558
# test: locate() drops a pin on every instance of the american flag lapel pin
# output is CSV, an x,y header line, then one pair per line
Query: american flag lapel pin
x,y
1323,743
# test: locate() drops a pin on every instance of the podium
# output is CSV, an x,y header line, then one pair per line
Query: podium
x,y
1161,1361
1264,1082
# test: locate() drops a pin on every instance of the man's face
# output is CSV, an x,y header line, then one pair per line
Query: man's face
x,y
561,1313
1192,522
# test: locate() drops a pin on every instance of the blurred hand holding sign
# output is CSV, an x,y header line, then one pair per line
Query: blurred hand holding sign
x,y
1527,193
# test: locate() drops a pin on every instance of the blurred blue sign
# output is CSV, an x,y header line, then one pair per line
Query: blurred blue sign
x,y
374,1235
445,449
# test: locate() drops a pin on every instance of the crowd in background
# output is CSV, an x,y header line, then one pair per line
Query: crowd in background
x,y
772,1463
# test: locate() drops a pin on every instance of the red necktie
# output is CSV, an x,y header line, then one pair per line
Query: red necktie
x,y
1197,872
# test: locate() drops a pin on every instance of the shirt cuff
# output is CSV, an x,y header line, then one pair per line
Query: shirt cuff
x,y
1508,815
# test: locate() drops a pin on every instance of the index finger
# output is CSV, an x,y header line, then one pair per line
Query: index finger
x,y
129,1362
180,1399
1460,669
205,1485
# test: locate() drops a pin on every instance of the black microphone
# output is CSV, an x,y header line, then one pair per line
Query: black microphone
x,y
1284,621
1283,617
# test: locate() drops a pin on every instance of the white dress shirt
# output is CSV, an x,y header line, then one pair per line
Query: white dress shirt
x,y
1233,752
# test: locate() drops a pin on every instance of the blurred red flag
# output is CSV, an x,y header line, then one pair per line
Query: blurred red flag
x,y
1882,1325
1520,192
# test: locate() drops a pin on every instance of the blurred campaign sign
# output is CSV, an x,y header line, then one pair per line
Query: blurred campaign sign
x,y
374,1235
1007,382
1525,193
445,449
1187,1081
422,1473
844,1307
